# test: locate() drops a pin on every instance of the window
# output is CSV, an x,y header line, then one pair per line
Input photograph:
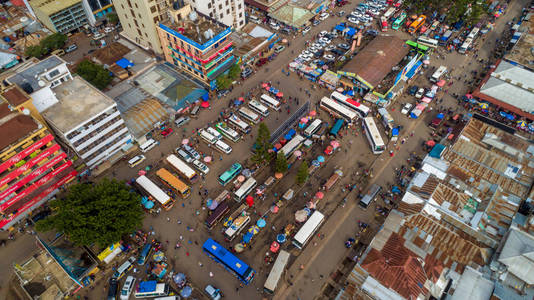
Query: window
x,y
153,9
129,25
239,6
228,11
226,2
146,35
221,16
139,32
122,5
156,20
136,24
220,6
240,15
136,5
241,22
211,15
209,5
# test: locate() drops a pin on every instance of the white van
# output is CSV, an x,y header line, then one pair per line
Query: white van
x,y
207,136
254,19
148,145
214,132
223,147
136,160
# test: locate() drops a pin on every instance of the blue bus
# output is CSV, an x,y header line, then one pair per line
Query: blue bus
x,y
144,254
337,126
230,174
229,261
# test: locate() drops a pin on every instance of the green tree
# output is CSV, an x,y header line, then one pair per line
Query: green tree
x,y
263,147
96,74
113,18
280,165
53,42
234,71
223,82
100,213
302,173
35,51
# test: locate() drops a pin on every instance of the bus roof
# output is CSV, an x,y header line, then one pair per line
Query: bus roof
x,y
224,255
151,188
171,179
181,166
277,270
337,126
310,225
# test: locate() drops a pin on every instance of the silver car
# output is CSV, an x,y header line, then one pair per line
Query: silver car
x,y
201,167
184,155
191,151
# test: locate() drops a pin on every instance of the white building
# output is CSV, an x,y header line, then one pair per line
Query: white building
x,y
228,12
81,115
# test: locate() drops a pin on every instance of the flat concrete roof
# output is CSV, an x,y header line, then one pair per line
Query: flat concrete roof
x,y
28,75
50,7
78,102
522,52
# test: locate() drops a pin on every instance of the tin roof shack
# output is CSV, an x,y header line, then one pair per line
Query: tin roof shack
x,y
251,40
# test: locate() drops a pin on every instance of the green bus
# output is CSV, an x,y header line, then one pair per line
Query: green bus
x,y
399,21
230,174
417,46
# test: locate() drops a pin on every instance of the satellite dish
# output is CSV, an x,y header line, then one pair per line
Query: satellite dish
x,y
41,83
26,111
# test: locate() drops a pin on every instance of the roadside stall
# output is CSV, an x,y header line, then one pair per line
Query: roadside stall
x,y
329,80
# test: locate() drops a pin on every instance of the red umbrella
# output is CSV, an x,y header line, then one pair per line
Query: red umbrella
x,y
265,85
313,113
250,201
267,88
278,146
274,209
280,94
431,143
283,141
241,99
441,83
319,195
275,247
205,104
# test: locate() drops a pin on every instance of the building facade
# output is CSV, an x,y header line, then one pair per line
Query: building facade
x,y
97,9
197,44
139,20
230,13
32,165
60,16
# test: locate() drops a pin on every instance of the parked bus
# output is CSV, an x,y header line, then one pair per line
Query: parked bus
x,y
214,132
292,145
420,21
373,135
473,33
361,109
249,115
399,21
270,101
245,189
228,132
389,12
427,42
370,196
239,124
338,110
337,126
182,168
386,118
465,46
238,224
229,261
258,107
173,182
155,290
207,137
276,272
218,213
154,192
144,254
307,230
444,39
230,174
313,128
437,75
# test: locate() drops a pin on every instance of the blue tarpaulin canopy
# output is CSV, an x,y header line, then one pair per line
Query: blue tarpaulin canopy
x,y
147,286
206,96
395,131
124,63
440,116
351,31
339,27
436,151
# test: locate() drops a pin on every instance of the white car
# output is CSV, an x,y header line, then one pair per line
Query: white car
x,y
329,57
324,16
213,292
316,45
201,167
325,40
353,20
323,33
420,93
274,26
306,52
305,30
108,29
406,108
127,288
329,48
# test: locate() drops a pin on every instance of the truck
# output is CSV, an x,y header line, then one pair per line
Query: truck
x,y
383,24
445,38
333,179
437,75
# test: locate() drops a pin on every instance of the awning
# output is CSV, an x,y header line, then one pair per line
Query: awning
x,y
124,63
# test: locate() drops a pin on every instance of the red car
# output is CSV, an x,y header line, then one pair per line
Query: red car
x,y
166,132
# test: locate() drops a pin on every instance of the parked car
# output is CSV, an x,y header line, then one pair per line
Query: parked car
x,y
337,52
113,287
127,288
181,121
136,160
166,132
343,46
274,26
329,57
246,73
341,13
279,48
98,36
213,292
191,151
406,108
184,155
201,167
71,48
412,90
353,20
316,22
306,30
108,29
420,93
329,48
324,16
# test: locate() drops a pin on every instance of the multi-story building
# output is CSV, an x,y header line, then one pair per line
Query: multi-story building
x,y
83,117
139,20
229,12
32,165
97,9
60,16
197,44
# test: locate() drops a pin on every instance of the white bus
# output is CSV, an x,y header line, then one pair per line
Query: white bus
x,y
473,33
465,45
258,107
269,101
307,230
428,41
338,110
292,145
228,132
207,137
245,189
249,115
389,13
235,228
361,109
437,75
313,127
161,290
182,168
373,135
153,190
276,272
215,133
239,124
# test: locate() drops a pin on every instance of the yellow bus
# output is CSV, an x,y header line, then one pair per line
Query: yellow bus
x,y
420,21
173,182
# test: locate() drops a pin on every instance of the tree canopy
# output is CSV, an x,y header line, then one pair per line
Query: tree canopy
x,y
47,45
456,10
113,18
100,213
96,74
280,165
302,173
263,146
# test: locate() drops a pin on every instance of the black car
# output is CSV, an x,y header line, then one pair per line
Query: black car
x,y
338,52
113,288
316,22
413,89
343,46
318,54
246,73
